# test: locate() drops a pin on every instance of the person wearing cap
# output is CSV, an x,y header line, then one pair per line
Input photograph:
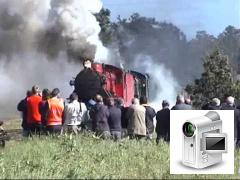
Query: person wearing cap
x,y
163,122
33,114
150,114
55,108
74,113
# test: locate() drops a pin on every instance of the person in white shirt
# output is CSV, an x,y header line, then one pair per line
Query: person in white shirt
x,y
74,113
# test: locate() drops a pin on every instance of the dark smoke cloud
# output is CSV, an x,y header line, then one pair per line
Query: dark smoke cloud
x,y
38,38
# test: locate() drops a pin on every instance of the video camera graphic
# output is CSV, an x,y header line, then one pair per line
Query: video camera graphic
x,y
203,141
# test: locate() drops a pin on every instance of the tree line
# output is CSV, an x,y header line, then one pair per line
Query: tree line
x,y
205,66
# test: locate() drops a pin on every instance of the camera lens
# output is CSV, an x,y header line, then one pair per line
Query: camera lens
x,y
188,129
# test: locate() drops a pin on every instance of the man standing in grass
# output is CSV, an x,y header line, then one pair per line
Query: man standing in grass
x,y
180,104
114,120
55,107
229,104
22,106
149,115
46,94
73,114
163,122
99,114
124,121
136,119
33,114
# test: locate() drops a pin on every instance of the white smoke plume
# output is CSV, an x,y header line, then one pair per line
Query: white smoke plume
x,y
42,42
77,26
23,71
163,86
38,38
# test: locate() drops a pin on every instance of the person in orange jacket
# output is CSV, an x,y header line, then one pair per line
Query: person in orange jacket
x,y
33,115
55,108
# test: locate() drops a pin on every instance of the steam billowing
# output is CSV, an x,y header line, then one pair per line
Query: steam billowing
x,y
51,26
71,26
163,86
44,41
38,38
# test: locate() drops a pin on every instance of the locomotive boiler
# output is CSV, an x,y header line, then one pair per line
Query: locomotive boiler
x,y
109,81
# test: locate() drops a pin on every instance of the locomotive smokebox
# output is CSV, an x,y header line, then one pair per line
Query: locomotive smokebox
x,y
87,84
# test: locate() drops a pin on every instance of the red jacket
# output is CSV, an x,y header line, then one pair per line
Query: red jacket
x,y
33,115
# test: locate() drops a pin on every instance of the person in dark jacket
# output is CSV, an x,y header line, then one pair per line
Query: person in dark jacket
x,y
124,120
180,104
22,106
99,114
215,104
163,122
46,94
149,115
205,106
230,105
114,119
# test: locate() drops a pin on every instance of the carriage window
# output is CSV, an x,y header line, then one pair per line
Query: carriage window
x,y
136,88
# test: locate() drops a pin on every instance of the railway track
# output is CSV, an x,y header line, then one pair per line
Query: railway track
x,y
14,134
9,135
11,129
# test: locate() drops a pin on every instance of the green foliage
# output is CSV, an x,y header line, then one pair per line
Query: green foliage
x,y
216,80
83,157
229,42
166,44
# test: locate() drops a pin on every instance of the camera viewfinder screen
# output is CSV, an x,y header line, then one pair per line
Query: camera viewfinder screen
x,y
215,143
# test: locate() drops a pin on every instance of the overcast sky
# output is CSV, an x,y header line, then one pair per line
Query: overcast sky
x,y
189,15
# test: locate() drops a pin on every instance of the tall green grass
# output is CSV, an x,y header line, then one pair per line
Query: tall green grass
x,y
85,156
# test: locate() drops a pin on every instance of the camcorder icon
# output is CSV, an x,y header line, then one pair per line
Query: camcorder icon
x,y
203,141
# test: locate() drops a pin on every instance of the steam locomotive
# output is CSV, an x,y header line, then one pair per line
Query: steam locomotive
x,y
110,81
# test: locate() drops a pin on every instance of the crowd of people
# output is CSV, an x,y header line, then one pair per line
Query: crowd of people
x,y
229,104
215,104
44,112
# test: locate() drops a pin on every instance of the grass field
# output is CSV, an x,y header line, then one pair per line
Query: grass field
x,y
86,156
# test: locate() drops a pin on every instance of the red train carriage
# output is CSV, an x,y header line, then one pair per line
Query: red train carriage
x,y
110,81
